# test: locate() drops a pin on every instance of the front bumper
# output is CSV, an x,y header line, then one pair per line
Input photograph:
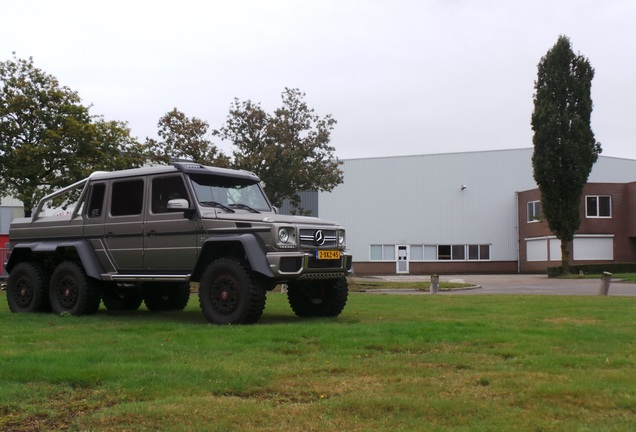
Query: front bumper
x,y
303,265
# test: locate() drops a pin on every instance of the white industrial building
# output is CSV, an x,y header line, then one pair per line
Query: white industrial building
x,y
442,213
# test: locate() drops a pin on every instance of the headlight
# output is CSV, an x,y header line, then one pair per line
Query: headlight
x,y
283,235
341,237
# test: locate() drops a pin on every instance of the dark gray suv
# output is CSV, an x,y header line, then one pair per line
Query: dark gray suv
x,y
144,235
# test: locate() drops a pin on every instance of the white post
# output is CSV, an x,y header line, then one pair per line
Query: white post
x,y
605,283
434,284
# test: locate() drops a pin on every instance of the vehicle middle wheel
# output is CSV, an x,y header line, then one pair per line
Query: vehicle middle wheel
x,y
72,291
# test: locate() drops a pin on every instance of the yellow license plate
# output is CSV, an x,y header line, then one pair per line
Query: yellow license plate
x,y
327,255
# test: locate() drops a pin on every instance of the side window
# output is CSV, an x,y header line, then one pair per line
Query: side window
x,y
165,189
534,211
96,200
127,198
598,206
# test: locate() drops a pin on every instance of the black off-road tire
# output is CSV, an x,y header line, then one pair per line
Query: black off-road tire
x,y
27,288
320,298
166,296
117,298
228,293
72,291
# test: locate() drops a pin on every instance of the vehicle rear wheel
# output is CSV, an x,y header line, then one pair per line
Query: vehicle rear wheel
x,y
26,288
228,293
322,298
166,296
72,291
116,298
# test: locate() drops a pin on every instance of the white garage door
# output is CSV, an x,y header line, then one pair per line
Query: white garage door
x,y
537,249
593,248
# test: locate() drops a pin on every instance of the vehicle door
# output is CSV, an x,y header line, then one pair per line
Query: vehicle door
x,y
94,213
170,238
123,224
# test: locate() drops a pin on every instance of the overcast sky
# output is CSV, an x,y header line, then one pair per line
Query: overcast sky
x,y
401,77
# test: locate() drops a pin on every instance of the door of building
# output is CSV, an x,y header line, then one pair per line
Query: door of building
x,y
402,263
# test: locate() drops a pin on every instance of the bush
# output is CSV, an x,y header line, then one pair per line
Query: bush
x,y
594,269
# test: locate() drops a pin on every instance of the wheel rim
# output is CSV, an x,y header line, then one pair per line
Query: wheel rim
x,y
66,292
225,294
24,292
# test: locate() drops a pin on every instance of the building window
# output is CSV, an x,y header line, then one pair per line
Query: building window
x,y
598,206
382,252
376,252
478,252
430,253
459,252
456,252
417,252
534,211
443,252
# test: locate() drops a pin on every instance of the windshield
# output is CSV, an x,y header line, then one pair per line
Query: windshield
x,y
235,193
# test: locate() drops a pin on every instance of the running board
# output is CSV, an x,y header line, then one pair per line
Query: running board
x,y
145,278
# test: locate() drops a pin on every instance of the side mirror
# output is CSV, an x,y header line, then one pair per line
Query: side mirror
x,y
181,205
275,209
178,205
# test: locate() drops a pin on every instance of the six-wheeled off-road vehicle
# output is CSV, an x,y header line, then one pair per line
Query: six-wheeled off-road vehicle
x,y
148,235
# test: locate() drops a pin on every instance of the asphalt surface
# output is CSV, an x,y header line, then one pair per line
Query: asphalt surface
x,y
513,284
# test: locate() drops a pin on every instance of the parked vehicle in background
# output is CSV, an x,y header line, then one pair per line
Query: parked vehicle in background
x,y
145,234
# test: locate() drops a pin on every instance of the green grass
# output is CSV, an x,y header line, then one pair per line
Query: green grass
x,y
388,363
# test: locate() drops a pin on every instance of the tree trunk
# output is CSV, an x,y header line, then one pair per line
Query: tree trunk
x,y
565,257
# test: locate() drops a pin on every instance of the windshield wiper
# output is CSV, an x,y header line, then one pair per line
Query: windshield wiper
x,y
217,204
245,207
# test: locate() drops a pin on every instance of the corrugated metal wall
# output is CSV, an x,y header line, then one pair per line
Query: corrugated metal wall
x,y
308,202
419,199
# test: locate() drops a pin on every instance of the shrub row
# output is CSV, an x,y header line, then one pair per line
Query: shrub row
x,y
595,269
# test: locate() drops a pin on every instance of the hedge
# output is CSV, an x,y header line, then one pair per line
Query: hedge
x,y
595,269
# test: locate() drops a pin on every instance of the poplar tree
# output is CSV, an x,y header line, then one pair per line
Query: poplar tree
x,y
564,145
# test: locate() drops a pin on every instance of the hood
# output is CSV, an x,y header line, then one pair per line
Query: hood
x,y
245,216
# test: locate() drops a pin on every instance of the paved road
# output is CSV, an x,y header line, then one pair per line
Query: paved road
x,y
522,284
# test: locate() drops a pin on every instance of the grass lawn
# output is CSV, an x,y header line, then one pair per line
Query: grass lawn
x,y
388,363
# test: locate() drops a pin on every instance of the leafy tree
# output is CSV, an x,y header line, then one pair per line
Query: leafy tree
x,y
289,149
184,138
564,145
48,139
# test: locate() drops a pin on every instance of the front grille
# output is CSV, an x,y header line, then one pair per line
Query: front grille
x,y
308,238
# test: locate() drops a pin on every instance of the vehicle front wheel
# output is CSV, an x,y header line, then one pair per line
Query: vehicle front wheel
x,y
228,293
72,291
26,288
320,298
